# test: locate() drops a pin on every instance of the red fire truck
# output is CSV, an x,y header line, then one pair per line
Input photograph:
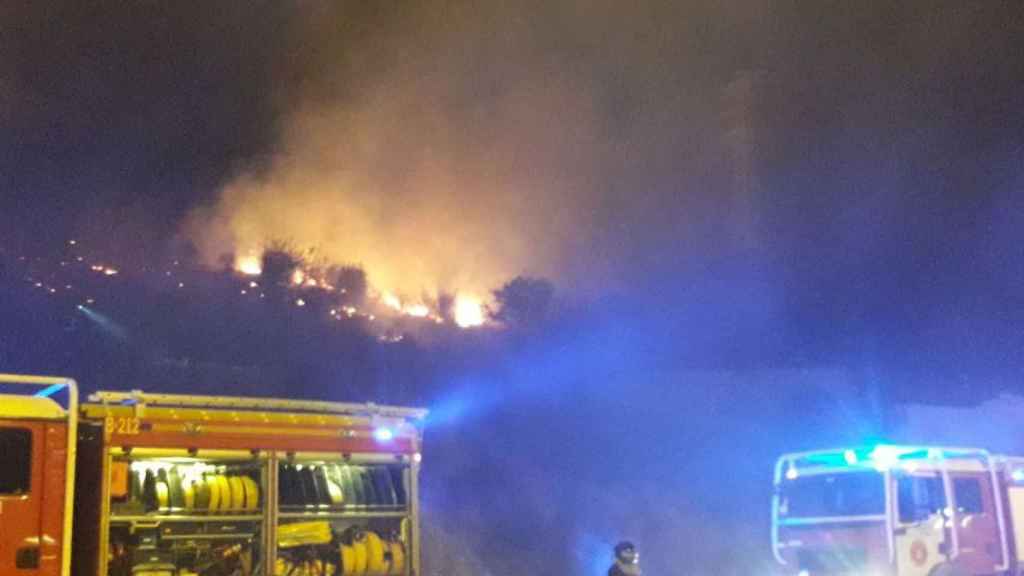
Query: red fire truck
x,y
140,484
899,510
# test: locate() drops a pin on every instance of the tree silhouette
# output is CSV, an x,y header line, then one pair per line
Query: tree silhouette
x,y
278,264
351,280
523,301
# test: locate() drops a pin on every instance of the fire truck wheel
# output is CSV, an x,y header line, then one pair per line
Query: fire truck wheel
x,y
948,569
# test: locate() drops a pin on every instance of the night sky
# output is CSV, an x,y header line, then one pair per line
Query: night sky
x,y
857,167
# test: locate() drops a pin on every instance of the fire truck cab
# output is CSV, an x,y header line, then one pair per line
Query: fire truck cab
x,y
37,470
898,510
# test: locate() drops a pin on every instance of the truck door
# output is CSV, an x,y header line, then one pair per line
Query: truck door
x,y
919,531
976,523
20,496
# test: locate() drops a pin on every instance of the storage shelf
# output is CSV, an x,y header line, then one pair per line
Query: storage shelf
x,y
185,518
354,514
188,537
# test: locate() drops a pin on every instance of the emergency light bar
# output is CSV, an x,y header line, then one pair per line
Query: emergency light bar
x,y
880,457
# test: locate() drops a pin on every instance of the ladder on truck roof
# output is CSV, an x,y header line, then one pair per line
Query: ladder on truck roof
x,y
138,397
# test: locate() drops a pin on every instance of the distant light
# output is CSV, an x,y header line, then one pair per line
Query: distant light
x,y
109,272
72,242
253,284
851,457
243,292
300,302
383,434
181,284
298,277
417,457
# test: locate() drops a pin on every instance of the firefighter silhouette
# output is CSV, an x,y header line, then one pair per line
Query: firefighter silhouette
x,y
627,560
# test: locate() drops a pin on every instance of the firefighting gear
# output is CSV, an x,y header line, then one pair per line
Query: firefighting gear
x,y
358,553
175,489
304,534
340,485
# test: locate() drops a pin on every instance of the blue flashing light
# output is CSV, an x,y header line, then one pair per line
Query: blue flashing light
x,y
383,434
886,457
1018,475
49,391
791,473
851,457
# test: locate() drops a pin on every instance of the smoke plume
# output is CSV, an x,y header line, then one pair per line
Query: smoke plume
x,y
451,148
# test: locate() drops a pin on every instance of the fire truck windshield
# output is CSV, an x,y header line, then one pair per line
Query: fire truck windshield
x,y
845,494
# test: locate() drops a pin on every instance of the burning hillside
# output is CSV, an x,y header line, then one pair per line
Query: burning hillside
x,y
439,174
81,285
349,285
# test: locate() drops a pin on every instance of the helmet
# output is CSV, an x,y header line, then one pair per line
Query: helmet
x,y
626,553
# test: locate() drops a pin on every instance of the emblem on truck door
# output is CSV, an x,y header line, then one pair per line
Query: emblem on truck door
x,y
918,553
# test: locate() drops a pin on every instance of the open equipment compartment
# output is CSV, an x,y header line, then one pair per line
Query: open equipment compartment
x,y
344,515
185,512
211,486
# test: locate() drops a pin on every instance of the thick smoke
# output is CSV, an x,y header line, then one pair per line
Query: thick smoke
x,y
454,147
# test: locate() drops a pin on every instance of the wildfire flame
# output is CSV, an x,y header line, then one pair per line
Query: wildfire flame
x,y
391,301
249,265
468,312
417,310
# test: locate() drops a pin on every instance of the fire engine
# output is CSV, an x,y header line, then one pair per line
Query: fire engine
x,y
899,510
142,484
